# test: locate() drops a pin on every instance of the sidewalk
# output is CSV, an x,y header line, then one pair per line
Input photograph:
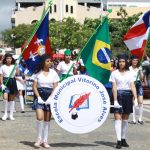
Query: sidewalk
x,y
20,134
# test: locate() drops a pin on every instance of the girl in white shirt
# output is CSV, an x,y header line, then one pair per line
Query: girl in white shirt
x,y
10,88
123,87
138,76
45,81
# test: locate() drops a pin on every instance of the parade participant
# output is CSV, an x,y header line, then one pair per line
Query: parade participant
x,y
108,86
10,90
123,87
64,66
45,81
20,78
136,71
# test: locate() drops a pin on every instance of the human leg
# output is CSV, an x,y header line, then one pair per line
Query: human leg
x,y
5,97
47,117
39,126
118,122
125,118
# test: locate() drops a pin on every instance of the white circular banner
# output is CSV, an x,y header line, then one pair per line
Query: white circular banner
x,y
80,104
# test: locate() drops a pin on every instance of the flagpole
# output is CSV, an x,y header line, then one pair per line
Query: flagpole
x,y
29,40
79,54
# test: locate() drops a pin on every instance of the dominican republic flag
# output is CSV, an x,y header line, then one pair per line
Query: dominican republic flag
x,y
39,45
135,39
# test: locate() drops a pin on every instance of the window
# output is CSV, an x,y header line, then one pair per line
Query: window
x,y
50,10
55,8
66,8
71,9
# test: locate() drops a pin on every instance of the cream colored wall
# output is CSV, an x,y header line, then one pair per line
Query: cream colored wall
x,y
27,15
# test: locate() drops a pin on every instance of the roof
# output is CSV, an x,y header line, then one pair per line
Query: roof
x,y
89,1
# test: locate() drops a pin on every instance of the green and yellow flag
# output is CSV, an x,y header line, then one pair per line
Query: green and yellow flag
x,y
96,54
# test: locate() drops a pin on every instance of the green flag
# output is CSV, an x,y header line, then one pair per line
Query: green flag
x,y
96,54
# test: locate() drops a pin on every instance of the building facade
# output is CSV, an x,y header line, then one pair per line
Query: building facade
x,y
29,11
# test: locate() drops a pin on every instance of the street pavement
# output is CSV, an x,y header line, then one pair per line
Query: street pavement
x,y
21,134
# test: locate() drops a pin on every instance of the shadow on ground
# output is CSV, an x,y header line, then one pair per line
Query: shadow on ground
x,y
71,145
110,144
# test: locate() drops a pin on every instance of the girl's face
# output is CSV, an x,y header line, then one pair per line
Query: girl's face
x,y
8,60
122,63
135,62
47,63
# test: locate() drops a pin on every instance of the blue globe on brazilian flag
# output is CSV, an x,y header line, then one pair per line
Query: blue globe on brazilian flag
x,y
96,54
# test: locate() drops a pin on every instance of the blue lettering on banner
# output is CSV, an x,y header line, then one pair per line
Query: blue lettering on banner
x,y
62,87
103,114
89,82
60,120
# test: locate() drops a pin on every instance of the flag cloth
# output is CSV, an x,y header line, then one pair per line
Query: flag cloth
x,y
39,45
135,39
96,54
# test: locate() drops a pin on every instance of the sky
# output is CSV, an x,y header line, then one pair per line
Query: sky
x,y
5,13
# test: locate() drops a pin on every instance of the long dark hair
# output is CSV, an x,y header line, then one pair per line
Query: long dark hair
x,y
5,57
42,62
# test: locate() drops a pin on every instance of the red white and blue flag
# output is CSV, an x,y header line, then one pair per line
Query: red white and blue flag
x,y
135,39
39,45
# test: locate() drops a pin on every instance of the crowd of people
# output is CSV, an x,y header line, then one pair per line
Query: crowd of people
x,y
125,89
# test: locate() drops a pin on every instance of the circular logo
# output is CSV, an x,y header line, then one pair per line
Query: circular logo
x,y
102,55
80,104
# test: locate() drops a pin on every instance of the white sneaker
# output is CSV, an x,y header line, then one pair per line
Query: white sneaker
x,y
11,118
4,117
38,143
46,145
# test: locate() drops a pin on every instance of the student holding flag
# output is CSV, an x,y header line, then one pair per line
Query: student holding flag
x,y
63,68
136,71
123,87
8,85
45,81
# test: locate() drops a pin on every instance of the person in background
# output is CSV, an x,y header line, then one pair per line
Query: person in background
x,y
10,88
20,78
45,81
108,86
137,73
64,66
123,87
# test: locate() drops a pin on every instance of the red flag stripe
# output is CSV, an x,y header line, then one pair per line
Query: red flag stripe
x,y
135,32
139,52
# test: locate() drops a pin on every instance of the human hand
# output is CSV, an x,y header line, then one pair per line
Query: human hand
x,y
3,87
116,104
135,102
48,102
40,101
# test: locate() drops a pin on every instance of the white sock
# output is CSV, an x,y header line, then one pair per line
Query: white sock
x,y
45,130
133,114
12,105
124,129
140,112
118,129
5,107
39,127
21,102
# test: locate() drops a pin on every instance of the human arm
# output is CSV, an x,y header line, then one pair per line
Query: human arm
x,y
133,89
40,101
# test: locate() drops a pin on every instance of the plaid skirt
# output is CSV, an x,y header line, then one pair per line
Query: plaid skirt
x,y
44,94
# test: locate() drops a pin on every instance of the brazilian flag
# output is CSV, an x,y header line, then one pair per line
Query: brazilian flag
x,y
96,54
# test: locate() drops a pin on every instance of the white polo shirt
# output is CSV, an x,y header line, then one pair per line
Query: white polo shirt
x,y
123,82
46,81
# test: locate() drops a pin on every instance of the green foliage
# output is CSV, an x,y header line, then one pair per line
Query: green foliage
x,y
71,34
